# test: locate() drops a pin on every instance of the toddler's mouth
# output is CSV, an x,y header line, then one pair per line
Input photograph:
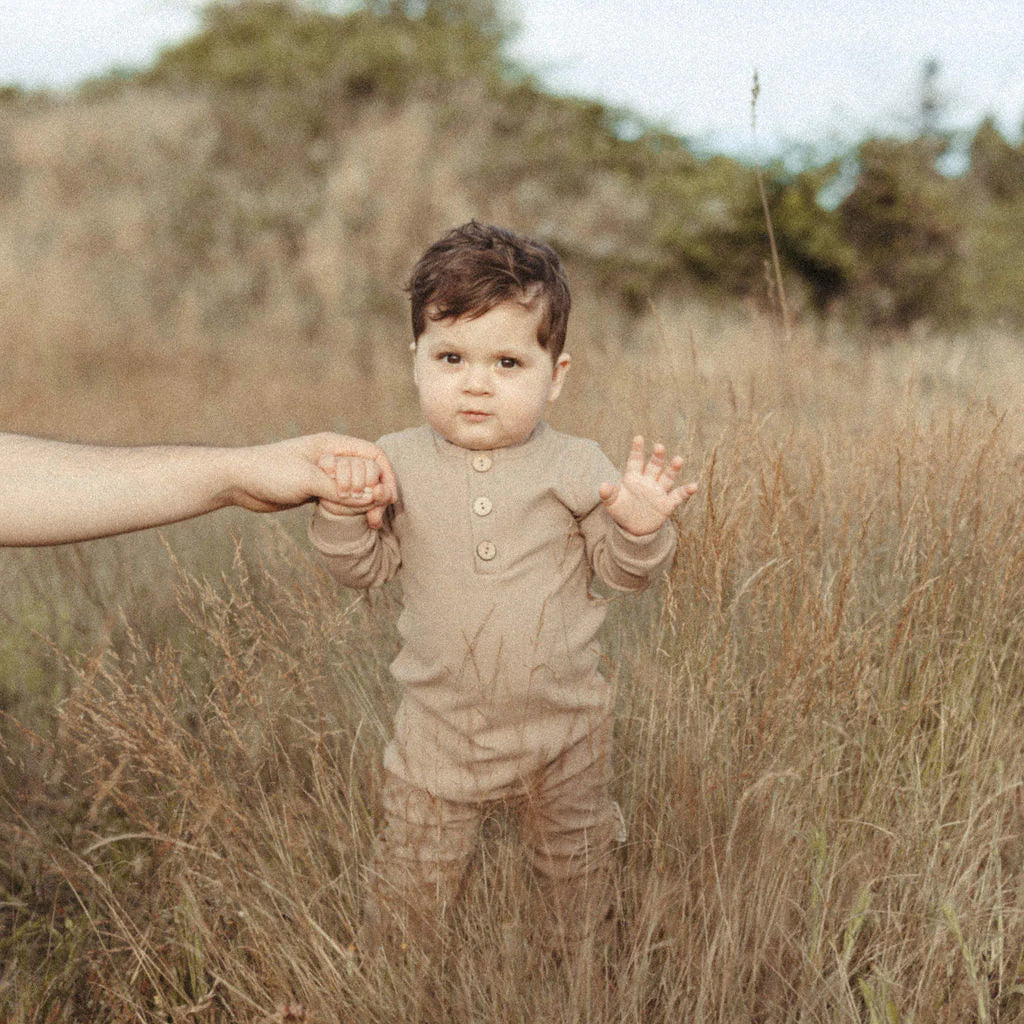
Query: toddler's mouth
x,y
474,415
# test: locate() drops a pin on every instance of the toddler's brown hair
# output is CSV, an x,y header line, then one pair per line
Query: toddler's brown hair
x,y
476,267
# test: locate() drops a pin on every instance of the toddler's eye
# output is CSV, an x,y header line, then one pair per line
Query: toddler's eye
x,y
451,358
507,362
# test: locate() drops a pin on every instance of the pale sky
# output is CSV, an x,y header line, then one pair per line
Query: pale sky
x,y
829,73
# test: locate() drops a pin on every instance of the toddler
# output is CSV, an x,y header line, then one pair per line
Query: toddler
x,y
499,526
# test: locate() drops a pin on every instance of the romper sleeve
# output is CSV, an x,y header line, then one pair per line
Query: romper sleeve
x,y
619,559
353,553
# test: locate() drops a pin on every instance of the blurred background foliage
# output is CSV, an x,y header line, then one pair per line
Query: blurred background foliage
x,y
277,115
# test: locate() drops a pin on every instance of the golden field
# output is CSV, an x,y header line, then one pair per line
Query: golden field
x,y
819,731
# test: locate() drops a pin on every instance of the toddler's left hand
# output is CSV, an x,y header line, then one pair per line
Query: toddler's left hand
x,y
645,497
360,486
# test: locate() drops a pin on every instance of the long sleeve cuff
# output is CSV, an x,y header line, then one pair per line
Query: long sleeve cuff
x,y
646,555
338,535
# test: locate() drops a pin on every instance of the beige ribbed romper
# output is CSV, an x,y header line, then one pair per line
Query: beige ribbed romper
x,y
501,694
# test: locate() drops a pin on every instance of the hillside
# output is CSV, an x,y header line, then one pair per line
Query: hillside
x,y
275,175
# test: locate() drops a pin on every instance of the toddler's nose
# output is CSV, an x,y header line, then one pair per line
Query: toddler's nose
x,y
478,381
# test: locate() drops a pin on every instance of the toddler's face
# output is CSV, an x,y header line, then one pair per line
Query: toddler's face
x,y
485,383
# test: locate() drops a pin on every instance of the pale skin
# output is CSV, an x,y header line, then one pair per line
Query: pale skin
x,y
53,492
485,383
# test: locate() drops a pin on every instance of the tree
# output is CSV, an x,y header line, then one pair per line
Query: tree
x,y
932,103
901,219
378,47
811,237
995,165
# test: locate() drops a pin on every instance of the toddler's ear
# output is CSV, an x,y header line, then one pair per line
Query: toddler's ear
x,y
561,368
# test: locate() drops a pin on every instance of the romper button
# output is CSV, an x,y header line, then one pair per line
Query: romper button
x,y
486,550
482,463
482,506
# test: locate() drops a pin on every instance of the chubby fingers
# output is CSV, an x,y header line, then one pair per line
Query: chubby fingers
x,y
656,461
340,446
655,464
365,476
656,469
682,494
387,482
635,459
357,480
665,474
666,477
348,477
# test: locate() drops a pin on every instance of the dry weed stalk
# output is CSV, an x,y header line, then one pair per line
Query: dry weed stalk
x,y
787,325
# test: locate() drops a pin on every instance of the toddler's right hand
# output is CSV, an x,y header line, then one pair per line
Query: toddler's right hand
x,y
361,490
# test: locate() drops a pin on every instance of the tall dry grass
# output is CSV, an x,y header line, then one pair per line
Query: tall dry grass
x,y
818,736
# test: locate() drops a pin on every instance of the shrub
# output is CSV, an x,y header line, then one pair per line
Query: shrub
x,y
380,49
901,220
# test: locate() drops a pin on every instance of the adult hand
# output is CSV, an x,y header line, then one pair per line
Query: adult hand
x,y
288,473
53,492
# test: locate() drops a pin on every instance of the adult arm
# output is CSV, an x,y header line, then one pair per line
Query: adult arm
x,y
53,492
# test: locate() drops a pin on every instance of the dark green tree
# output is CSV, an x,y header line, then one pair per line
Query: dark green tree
x,y
996,166
810,237
379,47
901,220
932,102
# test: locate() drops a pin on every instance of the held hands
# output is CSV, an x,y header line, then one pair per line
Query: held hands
x,y
645,497
272,477
361,488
